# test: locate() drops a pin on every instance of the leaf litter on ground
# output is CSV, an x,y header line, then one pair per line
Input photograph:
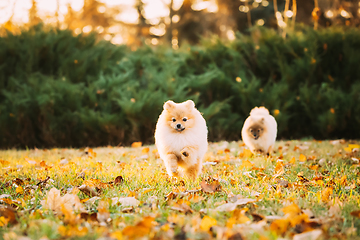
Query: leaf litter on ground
x,y
304,190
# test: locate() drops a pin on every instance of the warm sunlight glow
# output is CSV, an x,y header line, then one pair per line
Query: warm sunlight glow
x,y
260,22
154,41
101,9
230,35
265,3
345,14
87,29
289,13
244,8
118,39
18,10
329,14
176,18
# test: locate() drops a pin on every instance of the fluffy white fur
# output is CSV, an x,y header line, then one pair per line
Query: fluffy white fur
x,y
260,120
181,151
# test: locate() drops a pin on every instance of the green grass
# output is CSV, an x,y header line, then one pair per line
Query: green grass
x,y
326,184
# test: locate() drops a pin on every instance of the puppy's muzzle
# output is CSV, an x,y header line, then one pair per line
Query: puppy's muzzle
x,y
179,127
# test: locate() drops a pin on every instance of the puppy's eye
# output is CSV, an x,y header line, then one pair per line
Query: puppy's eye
x,y
258,130
184,119
251,130
173,119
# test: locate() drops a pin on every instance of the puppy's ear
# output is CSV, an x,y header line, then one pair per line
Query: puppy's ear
x,y
262,120
169,105
190,104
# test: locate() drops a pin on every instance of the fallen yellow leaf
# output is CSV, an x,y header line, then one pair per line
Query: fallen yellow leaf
x,y
207,222
279,226
292,210
136,144
19,190
343,180
295,220
302,158
142,228
325,194
246,164
246,153
231,221
117,235
145,150
352,146
3,221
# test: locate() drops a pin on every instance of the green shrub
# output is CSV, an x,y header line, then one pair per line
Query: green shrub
x,y
57,89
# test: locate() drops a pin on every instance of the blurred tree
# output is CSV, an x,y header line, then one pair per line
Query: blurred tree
x,y
143,28
33,14
94,16
188,23
9,25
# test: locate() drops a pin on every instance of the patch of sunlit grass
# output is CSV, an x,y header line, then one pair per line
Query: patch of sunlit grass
x,y
320,178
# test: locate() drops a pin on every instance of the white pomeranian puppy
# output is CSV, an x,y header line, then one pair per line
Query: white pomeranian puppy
x,y
259,131
181,139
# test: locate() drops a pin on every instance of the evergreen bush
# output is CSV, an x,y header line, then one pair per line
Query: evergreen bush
x,y
61,90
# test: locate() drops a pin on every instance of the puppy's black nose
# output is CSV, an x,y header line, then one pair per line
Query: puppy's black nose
x,y
178,125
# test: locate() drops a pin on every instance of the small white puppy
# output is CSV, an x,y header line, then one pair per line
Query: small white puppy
x,y
181,138
259,131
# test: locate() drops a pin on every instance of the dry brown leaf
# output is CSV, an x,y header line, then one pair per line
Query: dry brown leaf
x,y
311,235
335,211
228,207
8,215
72,201
257,217
302,178
125,201
355,213
118,180
127,210
89,217
88,190
103,215
184,208
212,187
54,202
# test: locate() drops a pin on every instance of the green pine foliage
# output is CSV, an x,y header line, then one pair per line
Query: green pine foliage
x,y
57,89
